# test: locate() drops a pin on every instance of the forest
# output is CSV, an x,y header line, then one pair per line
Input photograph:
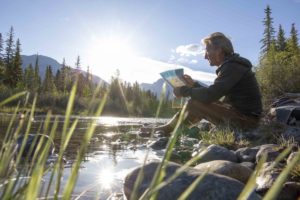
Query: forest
x,y
52,91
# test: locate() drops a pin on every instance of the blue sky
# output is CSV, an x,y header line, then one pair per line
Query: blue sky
x,y
140,38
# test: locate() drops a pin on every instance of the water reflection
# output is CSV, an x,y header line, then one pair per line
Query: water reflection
x,y
114,150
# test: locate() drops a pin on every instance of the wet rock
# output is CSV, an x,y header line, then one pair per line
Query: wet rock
x,y
250,165
159,144
212,186
215,152
226,168
247,154
188,142
272,151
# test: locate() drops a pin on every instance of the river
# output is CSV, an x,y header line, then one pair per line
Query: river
x,y
115,149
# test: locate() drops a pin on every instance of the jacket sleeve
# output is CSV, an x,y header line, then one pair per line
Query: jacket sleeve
x,y
228,75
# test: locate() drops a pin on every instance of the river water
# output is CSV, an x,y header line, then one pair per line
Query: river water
x,y
115,149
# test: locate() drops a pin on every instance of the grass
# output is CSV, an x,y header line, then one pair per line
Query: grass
x,y
27,184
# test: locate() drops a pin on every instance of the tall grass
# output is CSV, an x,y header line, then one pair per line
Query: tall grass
x,y
26,178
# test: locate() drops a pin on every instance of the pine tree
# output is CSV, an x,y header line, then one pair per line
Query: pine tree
x,y
281,40
29,77
1,49
8,59
10,48
17,65
48,84
293,40
37,77
268,31
78,64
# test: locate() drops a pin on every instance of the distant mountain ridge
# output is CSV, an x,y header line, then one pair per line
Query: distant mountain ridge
x,y
44,61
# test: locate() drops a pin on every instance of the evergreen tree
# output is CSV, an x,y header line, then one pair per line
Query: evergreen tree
x,y
293,41
78,64
1,49
17,65
281,40
48,84
10,48
268,31
37,77
8,59
29,78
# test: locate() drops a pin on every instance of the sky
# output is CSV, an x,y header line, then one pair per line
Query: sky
x,y
141,38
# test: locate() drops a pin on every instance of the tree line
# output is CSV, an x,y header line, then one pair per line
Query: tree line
x,y
278,71
124,99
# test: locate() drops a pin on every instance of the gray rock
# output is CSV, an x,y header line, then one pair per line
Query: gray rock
x,y
159,144
212,186
250,165
290,191
215,152
291,157
204,126
226,168
292,132
267,177
272,151
247,154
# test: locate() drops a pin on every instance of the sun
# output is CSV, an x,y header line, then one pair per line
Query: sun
x,y
106,54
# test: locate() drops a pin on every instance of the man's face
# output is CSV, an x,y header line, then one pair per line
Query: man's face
x,y
214,55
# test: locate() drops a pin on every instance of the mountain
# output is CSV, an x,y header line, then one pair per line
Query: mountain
x,y
45,61
156,87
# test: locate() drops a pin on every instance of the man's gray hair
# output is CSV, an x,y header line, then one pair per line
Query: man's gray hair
x,y
218,39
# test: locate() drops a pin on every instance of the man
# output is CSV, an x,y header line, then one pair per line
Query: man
x,y
241,107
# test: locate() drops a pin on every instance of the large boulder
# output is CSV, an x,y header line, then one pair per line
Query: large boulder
x,y
226,168
212,186
216,152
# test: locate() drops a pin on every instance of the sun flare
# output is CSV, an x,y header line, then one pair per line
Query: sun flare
x,y
106,178
106,54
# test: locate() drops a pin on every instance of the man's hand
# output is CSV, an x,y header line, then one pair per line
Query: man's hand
x,y
189,81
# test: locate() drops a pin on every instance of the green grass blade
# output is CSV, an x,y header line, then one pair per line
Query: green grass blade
x,y
12,98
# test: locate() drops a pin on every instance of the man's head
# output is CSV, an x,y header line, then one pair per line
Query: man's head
x,y
217,48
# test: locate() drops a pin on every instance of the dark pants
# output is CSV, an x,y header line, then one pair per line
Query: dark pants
x,y
220,114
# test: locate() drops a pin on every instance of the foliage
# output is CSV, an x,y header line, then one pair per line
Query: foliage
x,y
124,99
278,71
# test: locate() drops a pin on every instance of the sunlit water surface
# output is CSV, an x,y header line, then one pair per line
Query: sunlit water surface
x,y
115,149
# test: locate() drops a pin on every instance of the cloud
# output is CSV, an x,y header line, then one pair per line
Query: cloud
x,y
188,50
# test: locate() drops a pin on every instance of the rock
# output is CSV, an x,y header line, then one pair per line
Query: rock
x,y
272,151
267,177
215,152
290,191
204,126
159,144
250,165
292,132
291,157
212,186
188,142
247,154
226,168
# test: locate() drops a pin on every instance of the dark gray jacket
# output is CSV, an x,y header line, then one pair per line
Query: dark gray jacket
x,y
236,81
